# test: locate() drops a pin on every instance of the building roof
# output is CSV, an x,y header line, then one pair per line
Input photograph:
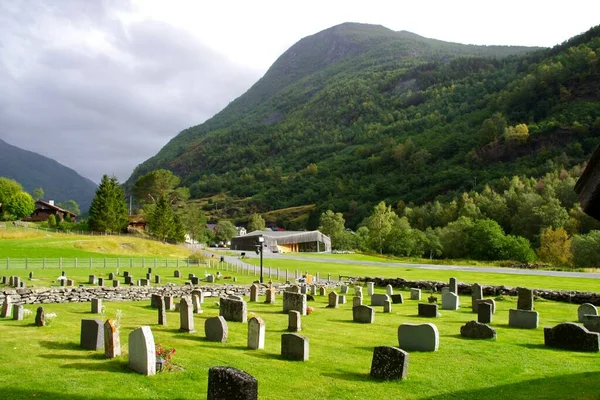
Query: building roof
x,y
46,204
285,237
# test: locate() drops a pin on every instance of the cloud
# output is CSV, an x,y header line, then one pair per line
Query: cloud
x,y
84,83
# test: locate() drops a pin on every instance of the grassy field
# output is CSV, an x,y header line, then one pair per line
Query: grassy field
x,y
46,363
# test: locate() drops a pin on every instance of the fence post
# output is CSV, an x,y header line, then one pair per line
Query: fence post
x,y
7,262
90,262
130,262
118,263
104,262
75,262
155,263
43,263
177,263
166,262
26,262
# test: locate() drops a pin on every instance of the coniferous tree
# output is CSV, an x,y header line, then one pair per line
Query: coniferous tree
x,y
108,211
162,224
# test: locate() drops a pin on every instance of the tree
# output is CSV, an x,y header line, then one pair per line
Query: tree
x,y
555,247
8,188
52,221
162,224
20,205
224,231
380,225
194,222
256,223
159,183
178,232
108,211
70,205
333,225
586,250
38,194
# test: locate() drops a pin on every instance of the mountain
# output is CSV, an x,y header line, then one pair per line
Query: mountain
x,y
33,171
358,113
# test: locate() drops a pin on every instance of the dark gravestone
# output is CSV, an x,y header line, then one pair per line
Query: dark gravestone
x,y
484,313
294,347
195,280
226,383
162,311
111,276
389,363
428,310
477,330
155,300
525,299
129,280
570,336
156,278
125,274
397,298
40,318
92,334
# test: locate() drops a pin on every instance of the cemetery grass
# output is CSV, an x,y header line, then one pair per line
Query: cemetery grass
x,y
46,362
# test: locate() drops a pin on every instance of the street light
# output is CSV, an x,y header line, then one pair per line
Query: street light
x,y
259,250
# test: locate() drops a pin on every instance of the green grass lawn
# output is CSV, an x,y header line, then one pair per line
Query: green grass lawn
x,y
46,362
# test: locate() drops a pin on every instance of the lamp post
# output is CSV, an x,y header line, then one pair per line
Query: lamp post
x,y
259,250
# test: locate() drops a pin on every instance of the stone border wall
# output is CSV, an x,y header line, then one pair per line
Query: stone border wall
x,y
564,296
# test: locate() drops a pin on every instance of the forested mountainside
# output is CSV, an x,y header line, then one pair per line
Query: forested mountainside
x,y
34,171
357,114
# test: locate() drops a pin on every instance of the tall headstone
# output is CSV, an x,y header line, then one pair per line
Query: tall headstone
x,y
253,293
313,290
523,319
370,288
570,336
422,337
40,318
91,334
389,290
96,306
92,279
476,295
162,312
389,363
358,291
343,289
196,295
294,347
226,383
233,310
142,352
156,278
294,321
415,294
6,308
525,299
216,329
256,333
155,300
186,315
294,301
453,285
116,283
586,309
112,339
270,296
387,306
484,313
17,312
450,300
592,323
169,303
356,301
333,300
322,291
101,282
363,314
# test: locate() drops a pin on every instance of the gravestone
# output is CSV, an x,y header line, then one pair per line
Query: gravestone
x,y
523,319
570,336
156,278
155,300
379,299
233,310
270,296
112,339
421,337
92,279
22,284
196,296
397,298
256,333
17,282
111,276
190,276
116,283
428,310
144,282
313,290
370,288
63,282
363,314
227,383
210,279
293,289
592,323
389,363
389,290
525,299
96,306
162,312
453,285
294,301
450,300
142,352
195,280
186,316
4,280
294,347
491,302
40,318
356,301
344,289
100,282
235,297
342,299
17,312
253,293
169,303
476,294
358,290
126,274
477,330
176,274
415,294
333,300
387,306
129,280
484,313
149,276
91,335
586,309
216,329
294,321
6,308
31,275
322,291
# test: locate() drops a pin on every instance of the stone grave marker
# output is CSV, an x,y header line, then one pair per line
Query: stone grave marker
x,y
162,312
363,314
428,310
387,306
128,280
525,299
112,339
484,313
450,300
356,301
100,282
592,323
155,300
370,288
190,276
389,363
253,293
196,296
6,308
397,298
149,276
126,274
415,294
476,295
144,282
63,282
389,290
227,383
186,316
176,274
294,321
343,289
22,284
92,279
156,278
477,330
586,309
31,275
216,329
270,296
453,285
379,299
342,299
91,335
17,282
523,319
116,283
96,306
195,280
294,347
142,352
313,290
256,333
570,336
303,289
322,291
333,300
294,301
210,279
169,303
111,276
358,291
233,310
492,302
40,318
421,337
17,312
235,297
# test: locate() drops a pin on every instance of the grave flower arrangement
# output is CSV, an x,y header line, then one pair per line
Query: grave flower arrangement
x,y
163,357
50,317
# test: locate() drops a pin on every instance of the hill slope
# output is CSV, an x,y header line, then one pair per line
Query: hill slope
x,y
358,113
33,171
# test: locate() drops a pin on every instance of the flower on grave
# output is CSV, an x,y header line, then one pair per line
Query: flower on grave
x,y
309,310
50,317
165,354
27,312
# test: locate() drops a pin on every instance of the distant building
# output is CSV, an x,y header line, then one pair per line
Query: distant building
x,y
284,241
43,209
211,227
136,223
241,231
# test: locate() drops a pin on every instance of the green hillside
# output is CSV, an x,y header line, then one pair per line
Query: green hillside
x,y
358,113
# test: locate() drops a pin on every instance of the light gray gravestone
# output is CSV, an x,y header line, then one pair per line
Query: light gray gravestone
x,y
142,351
450,301
379,299
270,296
92,279
226,383
363,314
6,308
476,295
96,306
477,330
421,337
233,310
91,334
40,318
525,299
322,291
586,309
162,312
343,289
397,298
176,274
169,303
294,321
216,329
333,300
313,290
294,347
428,310
196,296
484,313
256,333
358,290
17,312
592,323
112,339
370,288
303,289
389,363
415,294
453,285
387,306
186,315
253,293
294,301
356,301
389,290
570,336
523,319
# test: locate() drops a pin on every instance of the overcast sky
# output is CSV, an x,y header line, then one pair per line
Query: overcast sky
x,y
101,86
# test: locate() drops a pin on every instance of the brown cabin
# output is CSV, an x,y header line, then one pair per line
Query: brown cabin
x,y
136,223
43,209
